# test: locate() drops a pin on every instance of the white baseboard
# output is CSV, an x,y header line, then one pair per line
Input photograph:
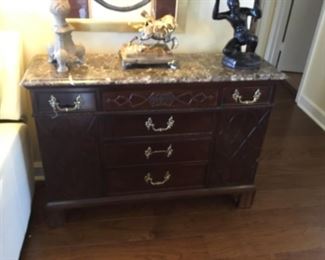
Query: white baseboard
x,y
38,170
312,110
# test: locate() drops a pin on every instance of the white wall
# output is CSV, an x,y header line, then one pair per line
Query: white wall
x,y
311,96
34,20
264,26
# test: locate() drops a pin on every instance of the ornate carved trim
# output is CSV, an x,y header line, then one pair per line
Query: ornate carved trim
x,y
163,99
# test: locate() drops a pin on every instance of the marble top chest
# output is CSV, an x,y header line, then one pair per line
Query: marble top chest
x,y
109,135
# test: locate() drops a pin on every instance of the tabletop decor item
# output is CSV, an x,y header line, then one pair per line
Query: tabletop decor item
x,y
151,46
237,16
63,51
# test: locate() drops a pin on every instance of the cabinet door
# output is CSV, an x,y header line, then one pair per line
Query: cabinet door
x,y
69,148
238,143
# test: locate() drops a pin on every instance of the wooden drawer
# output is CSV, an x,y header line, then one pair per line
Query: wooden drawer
x,y
156,125
65,102
181,98
155,178
115,154
247,96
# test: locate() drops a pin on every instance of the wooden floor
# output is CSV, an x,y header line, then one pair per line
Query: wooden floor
x,y
287,220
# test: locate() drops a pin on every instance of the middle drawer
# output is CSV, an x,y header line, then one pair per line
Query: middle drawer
x,y
120,154
156,124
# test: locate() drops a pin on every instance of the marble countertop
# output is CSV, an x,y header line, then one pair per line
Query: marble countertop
x,y
106,69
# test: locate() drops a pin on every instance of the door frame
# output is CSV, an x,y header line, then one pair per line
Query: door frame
x,y
278,27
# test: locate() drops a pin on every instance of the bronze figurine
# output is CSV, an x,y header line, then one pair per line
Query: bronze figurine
x,y
237,17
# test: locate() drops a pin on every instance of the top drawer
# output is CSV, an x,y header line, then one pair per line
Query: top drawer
x,y
65,102
160,99
247,96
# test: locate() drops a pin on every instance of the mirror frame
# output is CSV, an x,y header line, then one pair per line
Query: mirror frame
x,y
161,8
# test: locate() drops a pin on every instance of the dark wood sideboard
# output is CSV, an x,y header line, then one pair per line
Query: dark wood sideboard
x,y
109,136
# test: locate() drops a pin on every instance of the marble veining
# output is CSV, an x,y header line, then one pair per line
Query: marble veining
x,y
106,69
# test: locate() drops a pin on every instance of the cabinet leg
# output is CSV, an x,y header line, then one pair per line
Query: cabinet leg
x,y
55,218
245,200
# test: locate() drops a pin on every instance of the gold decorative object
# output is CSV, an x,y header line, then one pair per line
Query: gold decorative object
x,y
239,99
151,45
57,108
148,179
150,125
149,152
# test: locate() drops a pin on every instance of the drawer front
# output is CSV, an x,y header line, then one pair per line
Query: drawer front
x,y
117,154
65,102
155,178
247,96
156,125
128,100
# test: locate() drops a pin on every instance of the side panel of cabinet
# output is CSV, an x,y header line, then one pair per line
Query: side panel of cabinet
x,y
239,138
70,154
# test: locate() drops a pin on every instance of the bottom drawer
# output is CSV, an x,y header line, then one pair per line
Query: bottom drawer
x,y
155,178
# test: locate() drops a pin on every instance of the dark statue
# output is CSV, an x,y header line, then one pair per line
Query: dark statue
x,y
237,16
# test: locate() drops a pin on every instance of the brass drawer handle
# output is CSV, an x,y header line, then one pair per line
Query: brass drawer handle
x,y
148,179
238,98
169,152
56,105
150,125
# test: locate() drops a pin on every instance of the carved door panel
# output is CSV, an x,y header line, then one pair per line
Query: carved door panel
x,y
238,143
69,146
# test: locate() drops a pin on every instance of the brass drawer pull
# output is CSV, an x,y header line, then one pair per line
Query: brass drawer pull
x,y
150,125
238,98
169,152
56,106
148,179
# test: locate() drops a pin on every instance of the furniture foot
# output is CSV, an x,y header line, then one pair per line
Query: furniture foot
x,y
55,218
245,200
